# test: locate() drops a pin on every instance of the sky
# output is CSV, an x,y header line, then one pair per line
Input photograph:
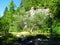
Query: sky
x,y
4,4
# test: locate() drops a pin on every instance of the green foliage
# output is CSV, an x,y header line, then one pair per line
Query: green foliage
x,y
7,19
37,21
7,38
27,4
14,20
57,29
11,6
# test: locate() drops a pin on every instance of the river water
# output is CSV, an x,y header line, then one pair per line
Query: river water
x,y
36,40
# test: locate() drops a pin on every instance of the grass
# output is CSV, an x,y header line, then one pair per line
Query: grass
x,y
27,33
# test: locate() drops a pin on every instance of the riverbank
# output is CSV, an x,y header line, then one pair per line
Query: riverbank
x,y
24,34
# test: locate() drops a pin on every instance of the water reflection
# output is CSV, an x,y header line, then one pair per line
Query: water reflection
x,y
31,40
37,40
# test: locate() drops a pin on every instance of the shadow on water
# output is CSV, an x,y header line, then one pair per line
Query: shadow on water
x,y
35,40
38,40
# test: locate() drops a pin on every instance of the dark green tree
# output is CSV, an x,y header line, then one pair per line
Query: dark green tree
x,y
11,6
5,21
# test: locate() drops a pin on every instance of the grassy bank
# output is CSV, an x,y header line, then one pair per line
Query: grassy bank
x,y
27,33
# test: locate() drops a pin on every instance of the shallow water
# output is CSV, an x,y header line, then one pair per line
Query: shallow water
x,y
37,40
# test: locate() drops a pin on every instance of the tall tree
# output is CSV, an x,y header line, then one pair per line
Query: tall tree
x,y
11,10
5,21
11,6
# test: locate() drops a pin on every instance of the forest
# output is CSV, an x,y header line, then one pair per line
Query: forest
x,y
31,18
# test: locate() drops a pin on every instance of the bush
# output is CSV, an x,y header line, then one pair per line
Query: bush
x,y
56,30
